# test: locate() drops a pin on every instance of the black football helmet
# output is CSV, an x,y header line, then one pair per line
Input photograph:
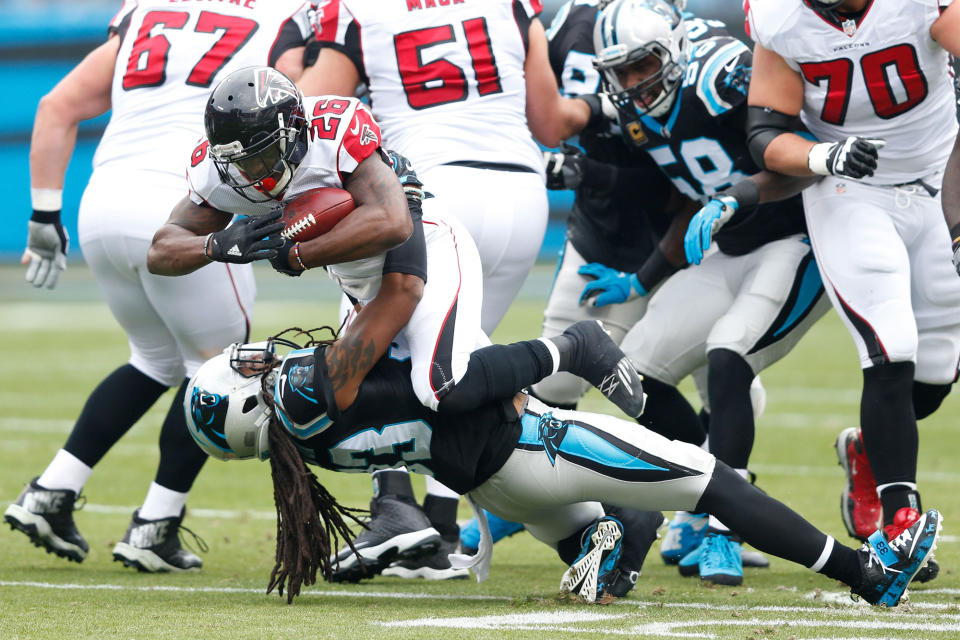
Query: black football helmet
x,y
255,123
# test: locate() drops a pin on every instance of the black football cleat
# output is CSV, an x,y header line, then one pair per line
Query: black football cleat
x,y
153,546
398,531
46,517
598,360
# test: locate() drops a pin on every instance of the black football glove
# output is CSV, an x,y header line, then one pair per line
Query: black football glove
x,y
851,158
564,168
46,252
281,261
247,239
401,165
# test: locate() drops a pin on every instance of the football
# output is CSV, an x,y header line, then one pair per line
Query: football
x,y
313,213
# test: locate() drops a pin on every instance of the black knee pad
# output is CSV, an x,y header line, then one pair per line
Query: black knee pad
x,y
927,398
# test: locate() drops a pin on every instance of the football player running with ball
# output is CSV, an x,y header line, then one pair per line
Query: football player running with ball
x,y
870,79
413,273
154,72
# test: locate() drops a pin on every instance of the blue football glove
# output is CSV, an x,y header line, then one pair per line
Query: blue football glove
x,y
608,286
705,223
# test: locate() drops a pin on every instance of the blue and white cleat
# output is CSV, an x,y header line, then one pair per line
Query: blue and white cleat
x,y
888,567
499,529
719,560
685,533
596,566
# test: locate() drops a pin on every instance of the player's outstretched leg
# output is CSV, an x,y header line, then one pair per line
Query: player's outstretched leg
x,y
46,517
879,571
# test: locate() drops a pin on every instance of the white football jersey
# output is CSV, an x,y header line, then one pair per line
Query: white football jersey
x,y
342,134
172,55
432,65
882,76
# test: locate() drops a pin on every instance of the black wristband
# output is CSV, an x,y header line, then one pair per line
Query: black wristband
x,y
745,192
596,109
46,217
655,270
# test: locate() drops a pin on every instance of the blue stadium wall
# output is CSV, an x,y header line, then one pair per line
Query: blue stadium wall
x,y
41,41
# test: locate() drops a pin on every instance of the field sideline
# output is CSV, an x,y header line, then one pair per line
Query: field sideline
x,y
60,344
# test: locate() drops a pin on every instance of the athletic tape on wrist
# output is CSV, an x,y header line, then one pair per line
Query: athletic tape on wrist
x,y
47,199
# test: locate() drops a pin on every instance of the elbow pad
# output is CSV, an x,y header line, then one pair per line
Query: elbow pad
x,y
763,125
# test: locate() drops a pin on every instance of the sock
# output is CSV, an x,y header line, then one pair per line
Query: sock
x,y
393,482
927,398
669,414
569,548
442,513
731,411
561,349
162,502
839,562
704,416
896,496
65,471
888,422
114,406
180,458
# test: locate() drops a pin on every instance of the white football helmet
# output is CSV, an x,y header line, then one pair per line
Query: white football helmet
x,y
628,31
224,404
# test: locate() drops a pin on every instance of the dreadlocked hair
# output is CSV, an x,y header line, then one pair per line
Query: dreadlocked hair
x,y
310,521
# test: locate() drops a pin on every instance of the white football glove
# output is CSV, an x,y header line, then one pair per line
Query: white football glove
x,y
46,252
852,158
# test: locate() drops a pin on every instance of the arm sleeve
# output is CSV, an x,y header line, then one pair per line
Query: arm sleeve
x,y
411,256
723,84
121,21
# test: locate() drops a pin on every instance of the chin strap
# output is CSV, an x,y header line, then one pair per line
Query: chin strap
x,y
480,563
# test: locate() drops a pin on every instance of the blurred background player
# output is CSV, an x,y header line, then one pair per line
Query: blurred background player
x,y
155,72
744,306
457,89
871,82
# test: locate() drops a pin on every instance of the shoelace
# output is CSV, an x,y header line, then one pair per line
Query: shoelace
x,y
719,547
200,542
82,504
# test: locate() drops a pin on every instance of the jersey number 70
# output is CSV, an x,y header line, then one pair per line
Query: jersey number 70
x,y
899,61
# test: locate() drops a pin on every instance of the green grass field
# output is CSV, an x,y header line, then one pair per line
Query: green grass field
x,y
60,344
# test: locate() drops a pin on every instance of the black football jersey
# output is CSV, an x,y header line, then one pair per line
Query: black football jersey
x,y
387,427
618,227
701,144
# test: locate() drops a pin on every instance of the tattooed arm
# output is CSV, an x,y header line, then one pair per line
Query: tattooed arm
x,y
369,336
380,222
178,245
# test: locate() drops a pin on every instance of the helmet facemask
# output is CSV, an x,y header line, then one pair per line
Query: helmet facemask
x,y
649,37
227,413
267,165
